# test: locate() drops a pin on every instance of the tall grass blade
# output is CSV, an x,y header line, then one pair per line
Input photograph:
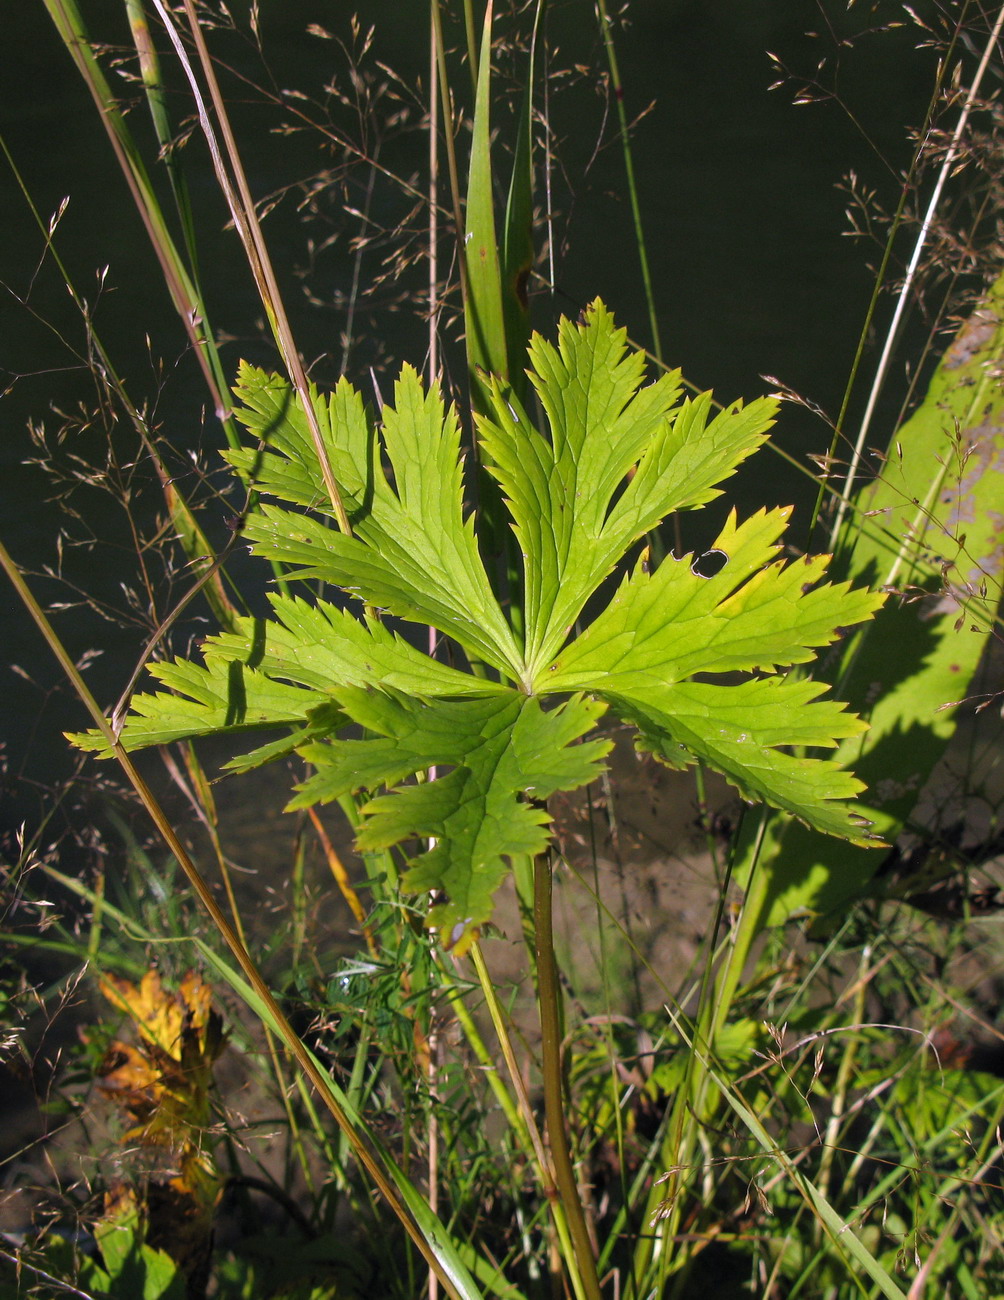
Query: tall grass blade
x,y
840,1232
517,235
69,24
929,529
484,315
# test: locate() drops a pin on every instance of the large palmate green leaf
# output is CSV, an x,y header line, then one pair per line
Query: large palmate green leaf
x,y
462,750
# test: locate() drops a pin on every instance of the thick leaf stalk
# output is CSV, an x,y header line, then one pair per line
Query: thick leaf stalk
x,y
549,1004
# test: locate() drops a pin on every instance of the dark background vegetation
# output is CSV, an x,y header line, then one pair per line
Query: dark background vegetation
x,y
744,221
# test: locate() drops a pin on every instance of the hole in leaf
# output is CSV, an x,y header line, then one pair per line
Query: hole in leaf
x,y
708,564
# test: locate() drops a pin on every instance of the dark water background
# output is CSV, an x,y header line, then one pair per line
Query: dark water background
x,y
742,214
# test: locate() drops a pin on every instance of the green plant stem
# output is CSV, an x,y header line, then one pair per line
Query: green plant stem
x,y
480,1049
845,1074
289,1036
545,1171
554,1103
505,1043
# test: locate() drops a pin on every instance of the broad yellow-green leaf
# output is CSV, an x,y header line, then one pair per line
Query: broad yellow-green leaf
x,y
664,626
744,731
929,528
323,647
278,672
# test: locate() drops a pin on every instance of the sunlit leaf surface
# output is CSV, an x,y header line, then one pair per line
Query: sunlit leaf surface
x,y
459,751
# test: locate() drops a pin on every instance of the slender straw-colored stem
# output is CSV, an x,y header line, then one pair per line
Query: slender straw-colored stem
x,y
548,1001
68,23
824,487
289,1036
892,334
344,883
448,136
181,280
433,370
234,185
